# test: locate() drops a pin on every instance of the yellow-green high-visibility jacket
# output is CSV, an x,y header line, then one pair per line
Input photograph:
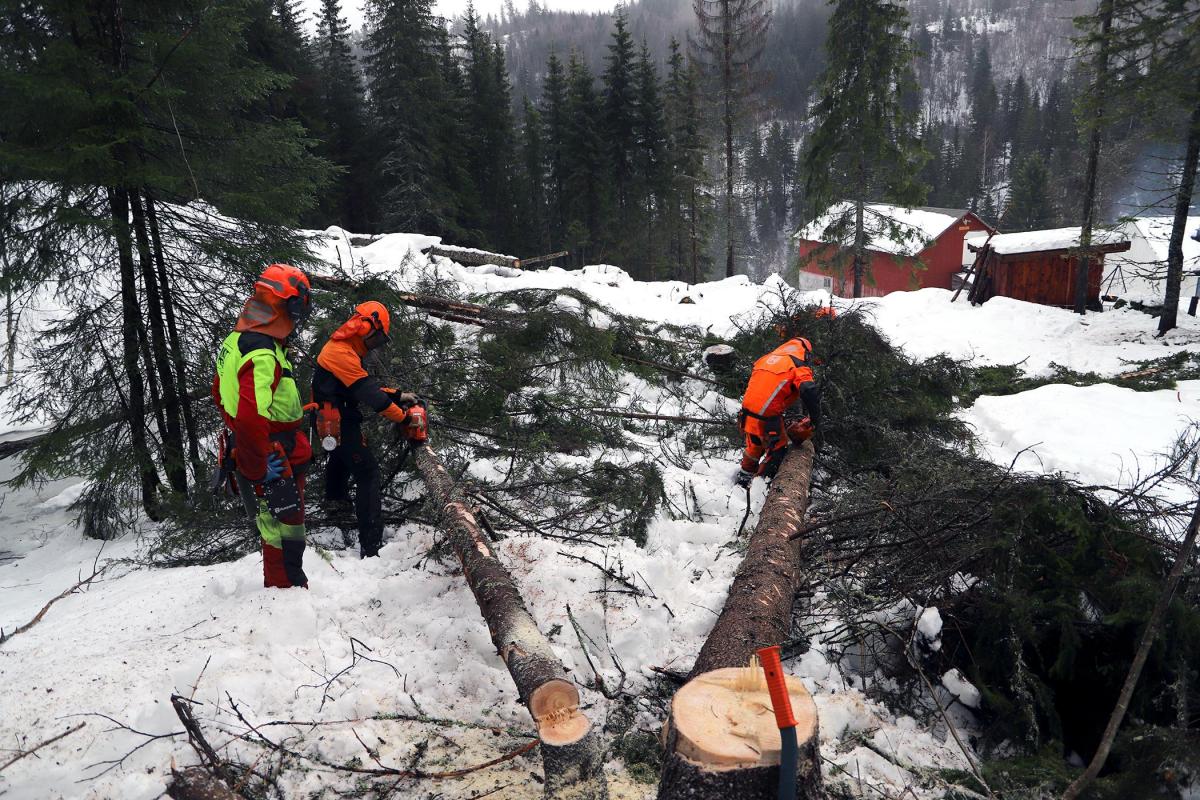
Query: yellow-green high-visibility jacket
x,y
257,395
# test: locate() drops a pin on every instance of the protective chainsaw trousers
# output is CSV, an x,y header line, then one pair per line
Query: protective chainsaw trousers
x,y
353,459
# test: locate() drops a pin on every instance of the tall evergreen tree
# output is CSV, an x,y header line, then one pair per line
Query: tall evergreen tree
x,y
1028,205
650,179
729,43
620,128
863,147
553,111
345,126
532,190
688,202
105,109
586,188
414,106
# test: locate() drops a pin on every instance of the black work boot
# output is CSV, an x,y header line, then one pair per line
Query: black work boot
x,y
293,562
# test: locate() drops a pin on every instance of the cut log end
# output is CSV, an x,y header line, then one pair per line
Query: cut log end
x,y
555,707
724,719
723,742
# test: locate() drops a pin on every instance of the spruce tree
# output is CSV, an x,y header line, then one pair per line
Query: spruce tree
x,y
414,106
620,130
729,43
586,186
553,111
108,109
532,191
687,147
1028,205
862,146
650,179
345,139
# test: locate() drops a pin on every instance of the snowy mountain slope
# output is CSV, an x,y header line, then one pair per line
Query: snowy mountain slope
x,y
133,638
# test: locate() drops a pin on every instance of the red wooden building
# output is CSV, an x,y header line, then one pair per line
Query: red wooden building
x,y
1040,266
908,248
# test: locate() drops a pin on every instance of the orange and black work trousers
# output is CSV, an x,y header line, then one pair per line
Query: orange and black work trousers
x,y
765,443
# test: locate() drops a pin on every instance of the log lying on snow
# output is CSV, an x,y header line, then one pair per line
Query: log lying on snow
x,y
571,754
721,740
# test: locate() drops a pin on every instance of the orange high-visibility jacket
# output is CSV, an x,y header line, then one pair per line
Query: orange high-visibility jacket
x,y
779,378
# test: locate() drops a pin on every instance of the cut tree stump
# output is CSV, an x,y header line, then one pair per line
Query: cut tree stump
x,y
723,741
708,753
572,758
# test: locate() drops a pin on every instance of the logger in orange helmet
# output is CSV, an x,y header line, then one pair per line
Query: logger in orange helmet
x,y
341,383
777,381
263,450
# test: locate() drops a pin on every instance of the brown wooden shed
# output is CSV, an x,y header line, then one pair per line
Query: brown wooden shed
x,y
1040,266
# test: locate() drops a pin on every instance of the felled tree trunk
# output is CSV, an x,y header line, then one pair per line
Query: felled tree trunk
x,y
758,609
721,740
571,755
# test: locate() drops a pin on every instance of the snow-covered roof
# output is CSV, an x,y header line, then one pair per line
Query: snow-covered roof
x,y
1056,239
890,229
1157,233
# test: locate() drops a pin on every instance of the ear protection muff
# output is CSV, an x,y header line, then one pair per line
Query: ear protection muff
x,y
378,337
299,305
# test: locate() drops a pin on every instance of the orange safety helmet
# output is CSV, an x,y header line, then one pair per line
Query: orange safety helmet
x,y
290,285
280,303
370,324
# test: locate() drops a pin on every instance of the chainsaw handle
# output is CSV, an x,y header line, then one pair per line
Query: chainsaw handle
x,y
777,686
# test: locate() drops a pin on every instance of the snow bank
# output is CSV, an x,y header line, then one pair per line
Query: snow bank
x,y
1005,331
1101,434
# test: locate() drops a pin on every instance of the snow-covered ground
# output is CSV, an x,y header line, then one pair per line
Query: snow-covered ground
x,y
121,648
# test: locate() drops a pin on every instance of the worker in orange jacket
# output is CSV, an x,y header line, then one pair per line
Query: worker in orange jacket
x,y
777,381
263,451
341,384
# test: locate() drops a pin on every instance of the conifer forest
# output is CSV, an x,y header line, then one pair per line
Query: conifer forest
x,y
672,399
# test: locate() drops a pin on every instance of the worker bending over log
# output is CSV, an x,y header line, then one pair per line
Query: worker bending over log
x,y
341,383
777,381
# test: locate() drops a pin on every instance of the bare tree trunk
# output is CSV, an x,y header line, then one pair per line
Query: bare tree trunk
x,y
118,199
706,756
693,237
727,78
172,436
1183,202
1153,626
860,246
177,358
1093,162
571,754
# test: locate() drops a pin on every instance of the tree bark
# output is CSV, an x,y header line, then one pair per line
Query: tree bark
x,y
758,609
118,199
1153,627
1093,162
177,357
757,614
571,754
1183,202
173,434
860,246
727,46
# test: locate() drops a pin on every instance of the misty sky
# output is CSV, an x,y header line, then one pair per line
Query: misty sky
x,y
450,8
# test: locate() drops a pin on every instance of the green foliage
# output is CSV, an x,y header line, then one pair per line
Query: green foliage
x,y
1143,376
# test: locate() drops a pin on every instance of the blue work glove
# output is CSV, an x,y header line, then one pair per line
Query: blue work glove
x,y
274,467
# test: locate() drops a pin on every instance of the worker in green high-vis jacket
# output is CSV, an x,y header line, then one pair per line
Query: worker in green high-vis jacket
x,y
259,401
